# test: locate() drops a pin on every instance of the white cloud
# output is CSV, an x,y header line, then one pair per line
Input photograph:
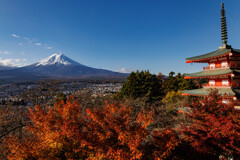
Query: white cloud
x,y
26,38
32,41
22,53
38,44
29,40
4,52
49,48
11,62
126,70
15,36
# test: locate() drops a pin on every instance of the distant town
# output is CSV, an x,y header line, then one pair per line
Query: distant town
x,y
46,90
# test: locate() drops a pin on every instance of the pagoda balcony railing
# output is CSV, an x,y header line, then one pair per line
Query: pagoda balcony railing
x,y
234,85
222,67
234,65
216,67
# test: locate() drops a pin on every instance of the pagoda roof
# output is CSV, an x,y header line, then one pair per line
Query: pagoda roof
x,y
218,53
228,92
211,73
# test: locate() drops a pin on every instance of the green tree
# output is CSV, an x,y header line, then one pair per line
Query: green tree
x,y
175,83
143,84
172,98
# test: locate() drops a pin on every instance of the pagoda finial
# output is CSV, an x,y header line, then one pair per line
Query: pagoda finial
x,y
223,26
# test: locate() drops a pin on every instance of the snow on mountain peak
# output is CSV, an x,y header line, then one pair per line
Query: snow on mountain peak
x,y
57,59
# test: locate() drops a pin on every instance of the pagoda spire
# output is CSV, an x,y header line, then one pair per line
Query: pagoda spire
x,y
223,26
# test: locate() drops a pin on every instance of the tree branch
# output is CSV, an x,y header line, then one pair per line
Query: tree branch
x,y
11,130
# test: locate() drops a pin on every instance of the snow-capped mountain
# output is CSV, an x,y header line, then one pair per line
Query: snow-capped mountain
x,y
59,66
57,59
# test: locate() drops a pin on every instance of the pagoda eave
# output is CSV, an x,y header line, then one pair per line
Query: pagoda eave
x,y
208,77
195,95
219,73
202,92
206,60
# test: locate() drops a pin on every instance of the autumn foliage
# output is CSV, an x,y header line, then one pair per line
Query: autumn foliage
x,y
214,128
51,134
165,142
66,132
211,130
115,134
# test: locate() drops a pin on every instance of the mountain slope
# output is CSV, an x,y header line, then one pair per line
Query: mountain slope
x,y
6,67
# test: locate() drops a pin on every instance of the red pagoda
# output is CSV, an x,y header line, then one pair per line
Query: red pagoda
x,y
223,70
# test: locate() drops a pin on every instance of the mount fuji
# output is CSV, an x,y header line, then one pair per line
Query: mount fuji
x,y
58,66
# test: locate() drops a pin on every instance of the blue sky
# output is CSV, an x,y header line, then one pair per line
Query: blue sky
x,y
154,35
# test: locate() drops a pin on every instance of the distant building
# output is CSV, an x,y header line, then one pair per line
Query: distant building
x,y
223,70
